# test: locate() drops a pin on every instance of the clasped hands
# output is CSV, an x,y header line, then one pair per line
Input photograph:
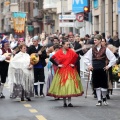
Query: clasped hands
x,y
60,65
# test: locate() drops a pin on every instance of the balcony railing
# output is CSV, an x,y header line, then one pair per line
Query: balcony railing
x,y
14,7
47,4
62,6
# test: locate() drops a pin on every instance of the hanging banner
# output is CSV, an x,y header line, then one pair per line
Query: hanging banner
x,y
19,19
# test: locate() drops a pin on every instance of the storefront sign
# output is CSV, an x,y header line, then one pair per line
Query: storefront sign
x,y
67,17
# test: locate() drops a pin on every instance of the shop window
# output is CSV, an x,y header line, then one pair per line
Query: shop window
x,y
95,2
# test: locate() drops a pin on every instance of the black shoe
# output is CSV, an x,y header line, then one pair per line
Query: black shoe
x,y
28,99
2,96
99,103
111,91
57,98
11,96
65,105
70,105
104,102
95,96
22,99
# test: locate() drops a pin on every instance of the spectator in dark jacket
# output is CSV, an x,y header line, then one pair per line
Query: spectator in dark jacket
x,y
109,39
103,35
116,42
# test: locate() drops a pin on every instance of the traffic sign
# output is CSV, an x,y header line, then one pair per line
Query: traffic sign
x,y
80,17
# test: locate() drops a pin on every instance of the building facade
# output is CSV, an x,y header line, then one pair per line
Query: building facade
x,y
33,10
45,15
105,16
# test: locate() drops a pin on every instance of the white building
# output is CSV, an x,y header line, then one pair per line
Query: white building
x,y
59,16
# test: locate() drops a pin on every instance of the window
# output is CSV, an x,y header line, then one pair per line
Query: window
x,y
95,4
14,1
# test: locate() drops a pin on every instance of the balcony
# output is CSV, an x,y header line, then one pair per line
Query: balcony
x,y
49,4
14,7
8,15
6,9
62,7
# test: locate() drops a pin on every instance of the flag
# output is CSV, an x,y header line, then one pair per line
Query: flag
x,y
19,19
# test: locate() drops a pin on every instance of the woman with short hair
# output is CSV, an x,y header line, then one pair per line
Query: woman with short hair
x,y
20,75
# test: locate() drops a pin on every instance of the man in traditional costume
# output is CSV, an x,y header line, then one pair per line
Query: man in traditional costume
x,y
39,76
20,75
66,81
95,58
3,64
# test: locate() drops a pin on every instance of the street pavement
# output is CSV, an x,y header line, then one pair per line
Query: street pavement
x,y
49,109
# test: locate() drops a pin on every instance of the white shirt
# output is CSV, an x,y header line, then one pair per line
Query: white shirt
x,y
111,57
2,57
36,47
119,51
107,39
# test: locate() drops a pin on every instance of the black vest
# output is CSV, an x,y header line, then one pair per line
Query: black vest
x,y
99,58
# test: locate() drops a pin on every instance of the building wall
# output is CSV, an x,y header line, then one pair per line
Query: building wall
x,y
52,8
69,2
1,16
56,18
47,28
105,17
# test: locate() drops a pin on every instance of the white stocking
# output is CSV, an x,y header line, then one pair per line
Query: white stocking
x,y
104,92
98,92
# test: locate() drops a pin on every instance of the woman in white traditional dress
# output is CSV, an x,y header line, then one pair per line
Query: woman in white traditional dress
x,y
20,75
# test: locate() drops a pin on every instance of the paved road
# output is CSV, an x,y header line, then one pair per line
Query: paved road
x,y
49,109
